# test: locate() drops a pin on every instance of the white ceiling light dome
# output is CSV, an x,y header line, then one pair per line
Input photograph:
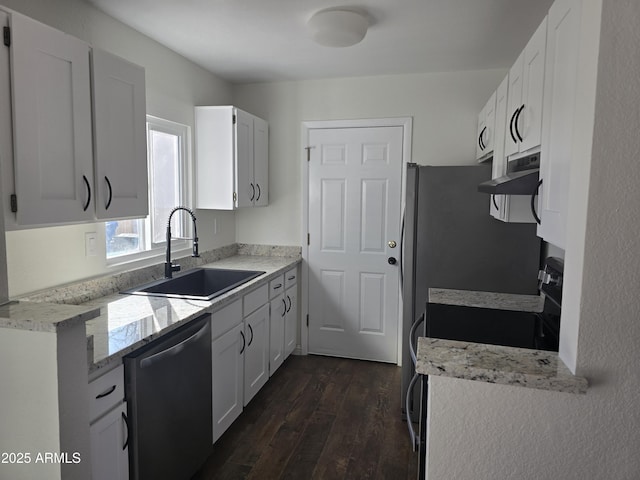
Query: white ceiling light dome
x,y
338,27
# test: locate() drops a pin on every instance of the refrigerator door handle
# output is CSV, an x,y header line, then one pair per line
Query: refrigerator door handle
x,y
401,252
412,332
412,432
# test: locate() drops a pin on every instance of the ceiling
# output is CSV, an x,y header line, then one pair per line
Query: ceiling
x,y
248,41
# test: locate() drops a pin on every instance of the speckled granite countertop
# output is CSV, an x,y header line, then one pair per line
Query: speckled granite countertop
x,y
496,364
44,317
127,322
495,301
117,324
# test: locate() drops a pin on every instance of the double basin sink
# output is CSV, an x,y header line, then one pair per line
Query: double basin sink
x,y
196,284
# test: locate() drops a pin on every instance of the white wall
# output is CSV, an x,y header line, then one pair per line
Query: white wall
x,y
41,258
444,108
491,431
29,422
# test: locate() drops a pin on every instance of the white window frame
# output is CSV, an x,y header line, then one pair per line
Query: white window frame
x,y
178,247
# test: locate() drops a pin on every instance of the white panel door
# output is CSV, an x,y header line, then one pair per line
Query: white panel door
x,y
354,212
52,124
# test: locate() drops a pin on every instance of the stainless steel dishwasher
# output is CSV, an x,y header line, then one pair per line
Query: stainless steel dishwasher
x,y
168,392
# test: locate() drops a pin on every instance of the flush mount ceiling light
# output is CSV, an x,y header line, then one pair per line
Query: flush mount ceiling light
x,y
337,27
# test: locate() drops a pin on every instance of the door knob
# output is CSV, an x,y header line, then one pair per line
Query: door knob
x,y
392,261
392,244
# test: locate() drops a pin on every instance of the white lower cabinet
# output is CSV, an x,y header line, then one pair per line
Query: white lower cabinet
x,y
291,316
256,354
109,449
283,293
251,337
276,333
109,431
228,376
291,321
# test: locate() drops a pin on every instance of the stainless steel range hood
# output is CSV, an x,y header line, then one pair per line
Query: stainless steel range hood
x,y
514,183
521,178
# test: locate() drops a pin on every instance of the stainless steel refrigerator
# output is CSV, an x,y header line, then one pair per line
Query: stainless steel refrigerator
x,y
451,241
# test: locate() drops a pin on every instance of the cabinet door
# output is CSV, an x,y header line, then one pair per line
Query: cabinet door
x,y
499,165
529,122
261,161
245,188
489,123
479,134
256,354
291,321
215,158
53,153
276,335
119,112
563,48
511,143
228,377
109,450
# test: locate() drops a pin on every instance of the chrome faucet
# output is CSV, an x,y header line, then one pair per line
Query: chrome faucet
x,y
169,267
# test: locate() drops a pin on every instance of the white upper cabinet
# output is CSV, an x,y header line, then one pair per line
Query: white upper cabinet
x,y
79,131
507,208
563,48
486,130
232,158
119,114
524,108
499,163
261,161
53,154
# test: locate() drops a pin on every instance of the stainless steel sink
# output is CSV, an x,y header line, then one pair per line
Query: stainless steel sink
x,y
196,284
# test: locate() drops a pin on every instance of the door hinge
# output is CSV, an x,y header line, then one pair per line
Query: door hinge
x,y
308,149
7,36
307,320
308,239
13,200
234,119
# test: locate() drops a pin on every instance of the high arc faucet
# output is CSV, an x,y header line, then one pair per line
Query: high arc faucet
x,y
169,267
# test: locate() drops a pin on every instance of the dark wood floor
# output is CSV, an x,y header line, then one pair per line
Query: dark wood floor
x,y
319,418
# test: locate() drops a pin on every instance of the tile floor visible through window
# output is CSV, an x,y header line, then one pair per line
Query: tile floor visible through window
x,y
319,418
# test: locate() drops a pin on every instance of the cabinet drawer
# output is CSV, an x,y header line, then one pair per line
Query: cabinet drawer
x,y
291,277
105,392
254,300
225,319
276,287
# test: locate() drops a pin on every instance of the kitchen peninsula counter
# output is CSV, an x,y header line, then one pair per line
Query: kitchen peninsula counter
x,y
491,300
496,364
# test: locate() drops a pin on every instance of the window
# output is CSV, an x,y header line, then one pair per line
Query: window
x,y
168,156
